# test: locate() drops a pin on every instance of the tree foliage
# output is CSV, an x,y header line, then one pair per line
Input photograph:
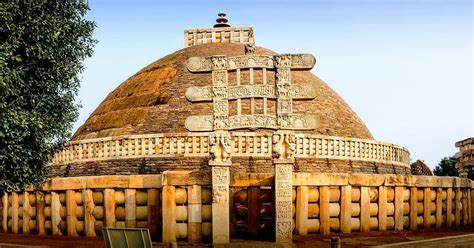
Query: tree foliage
x,y
447,167
42,48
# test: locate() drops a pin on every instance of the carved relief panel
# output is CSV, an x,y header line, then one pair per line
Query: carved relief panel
x,y
220,92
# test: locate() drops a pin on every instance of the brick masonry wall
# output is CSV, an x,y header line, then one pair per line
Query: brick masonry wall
x,y
239,165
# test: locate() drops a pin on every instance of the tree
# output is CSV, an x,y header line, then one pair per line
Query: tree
x,y
42,48
447,167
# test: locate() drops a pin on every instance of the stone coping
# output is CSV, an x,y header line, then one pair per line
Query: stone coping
x,y
187,178
244,144
201,36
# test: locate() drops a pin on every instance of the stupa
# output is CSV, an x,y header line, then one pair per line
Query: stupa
x,y
223,140
161,118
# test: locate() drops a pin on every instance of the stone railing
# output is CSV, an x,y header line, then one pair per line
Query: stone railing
x,y
244,144
344,203
177,205
200,36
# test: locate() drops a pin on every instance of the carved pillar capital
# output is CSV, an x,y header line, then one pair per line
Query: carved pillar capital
x,y
284,145
220,148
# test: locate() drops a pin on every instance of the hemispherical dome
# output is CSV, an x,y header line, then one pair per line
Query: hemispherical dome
x,y
154,99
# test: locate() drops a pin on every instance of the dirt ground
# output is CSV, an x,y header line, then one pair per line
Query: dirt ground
x,y
377,238
313,240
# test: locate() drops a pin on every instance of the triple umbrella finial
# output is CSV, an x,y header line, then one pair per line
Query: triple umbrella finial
x,y
221,21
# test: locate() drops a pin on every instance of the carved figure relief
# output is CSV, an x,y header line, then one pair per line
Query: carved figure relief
x,y
284,230
219,194
294,61
207,93
285,106
283,76
219,78
220,146
249,48
219,62
283,146
283,60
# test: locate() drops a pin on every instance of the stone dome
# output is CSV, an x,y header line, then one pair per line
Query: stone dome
x,y
154,99
222,99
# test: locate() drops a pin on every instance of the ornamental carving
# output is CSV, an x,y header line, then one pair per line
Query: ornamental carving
x,y
220,194
220,175
284,189
220,92
220,146
221,107
288,121
285,106
284,231
284,210
219,78
283,75
283,146
206,64
207,93
219,62
283,173
249,48
283,60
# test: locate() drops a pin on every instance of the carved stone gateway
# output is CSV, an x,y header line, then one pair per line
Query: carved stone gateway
x,y
220,93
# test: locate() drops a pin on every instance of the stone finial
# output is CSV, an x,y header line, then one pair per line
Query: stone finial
x,y
221,21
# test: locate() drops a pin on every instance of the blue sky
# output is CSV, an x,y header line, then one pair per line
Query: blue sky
x,y
405,67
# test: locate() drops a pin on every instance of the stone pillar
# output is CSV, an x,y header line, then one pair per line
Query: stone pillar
x,y
89,219
283,160
346,209
364,209
413,208
427,208
283,202
71,212
439,208
398,208
302,210
15,207
26,213
324,209
220,151
40,218
194,214
169,214
449,207
220,204
109,208
5,212
382,214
